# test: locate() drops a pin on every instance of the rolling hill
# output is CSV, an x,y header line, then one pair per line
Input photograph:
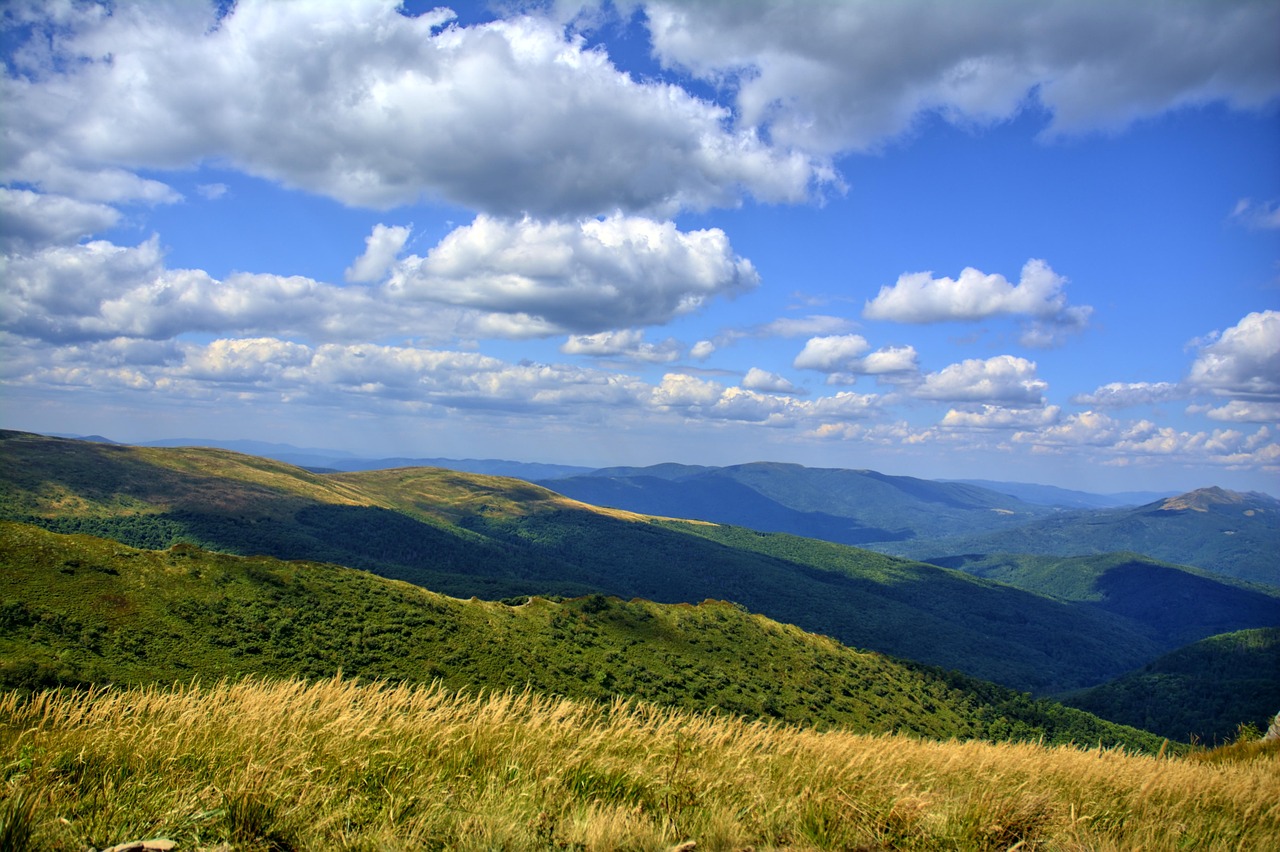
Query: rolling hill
x,y
80,609
469,535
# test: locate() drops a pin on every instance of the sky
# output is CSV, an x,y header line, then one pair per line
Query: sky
x,y
1025,241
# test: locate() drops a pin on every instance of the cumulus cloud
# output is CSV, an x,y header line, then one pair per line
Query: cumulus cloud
x,y
1242,362
33,220
831,354
847,76
702,350
1142,441
1004,379
1241,411
489,279
696,398
580,277
628,345
757,379
510,117
1000,417
918,297
841,358
380,250
1129,394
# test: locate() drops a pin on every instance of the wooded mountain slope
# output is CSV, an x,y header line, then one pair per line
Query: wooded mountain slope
x,y
79,609
1194,692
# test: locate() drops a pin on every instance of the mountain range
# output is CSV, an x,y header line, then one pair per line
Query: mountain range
x,y
1231,534
471,535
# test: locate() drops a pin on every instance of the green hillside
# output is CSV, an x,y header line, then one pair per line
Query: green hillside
x,y
78,609
469,535
1196,691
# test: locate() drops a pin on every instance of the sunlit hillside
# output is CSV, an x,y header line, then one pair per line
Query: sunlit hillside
x,y
334,765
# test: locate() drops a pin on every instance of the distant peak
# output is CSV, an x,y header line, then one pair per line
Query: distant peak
x,y
1202,499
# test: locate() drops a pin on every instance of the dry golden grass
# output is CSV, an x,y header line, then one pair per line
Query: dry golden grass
x,y
335,765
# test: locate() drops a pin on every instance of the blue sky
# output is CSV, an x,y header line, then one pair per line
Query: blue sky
x,y
1034,241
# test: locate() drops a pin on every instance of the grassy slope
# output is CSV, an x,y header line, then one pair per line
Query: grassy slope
x,y
1191,692
333,765
465,535
82,609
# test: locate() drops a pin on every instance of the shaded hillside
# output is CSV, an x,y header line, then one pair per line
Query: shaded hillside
x,y
1202,691
464,535
1175,603
856,507
1228,533
78,609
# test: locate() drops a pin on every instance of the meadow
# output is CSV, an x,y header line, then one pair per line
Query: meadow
x,y
287,764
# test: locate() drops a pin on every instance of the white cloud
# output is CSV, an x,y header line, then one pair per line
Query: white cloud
x,y
1144,442
628,345
1243,362
1000,417
757,379
1257,215
1128,394
380,250
918,297
831,354
847,76
1242,411
702,350
1004,379
488,279
889,360
31,219
384,108
680,390
580,277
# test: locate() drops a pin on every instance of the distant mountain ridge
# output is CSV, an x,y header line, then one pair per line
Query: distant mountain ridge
x,y
1230,533
1050,495
857,507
